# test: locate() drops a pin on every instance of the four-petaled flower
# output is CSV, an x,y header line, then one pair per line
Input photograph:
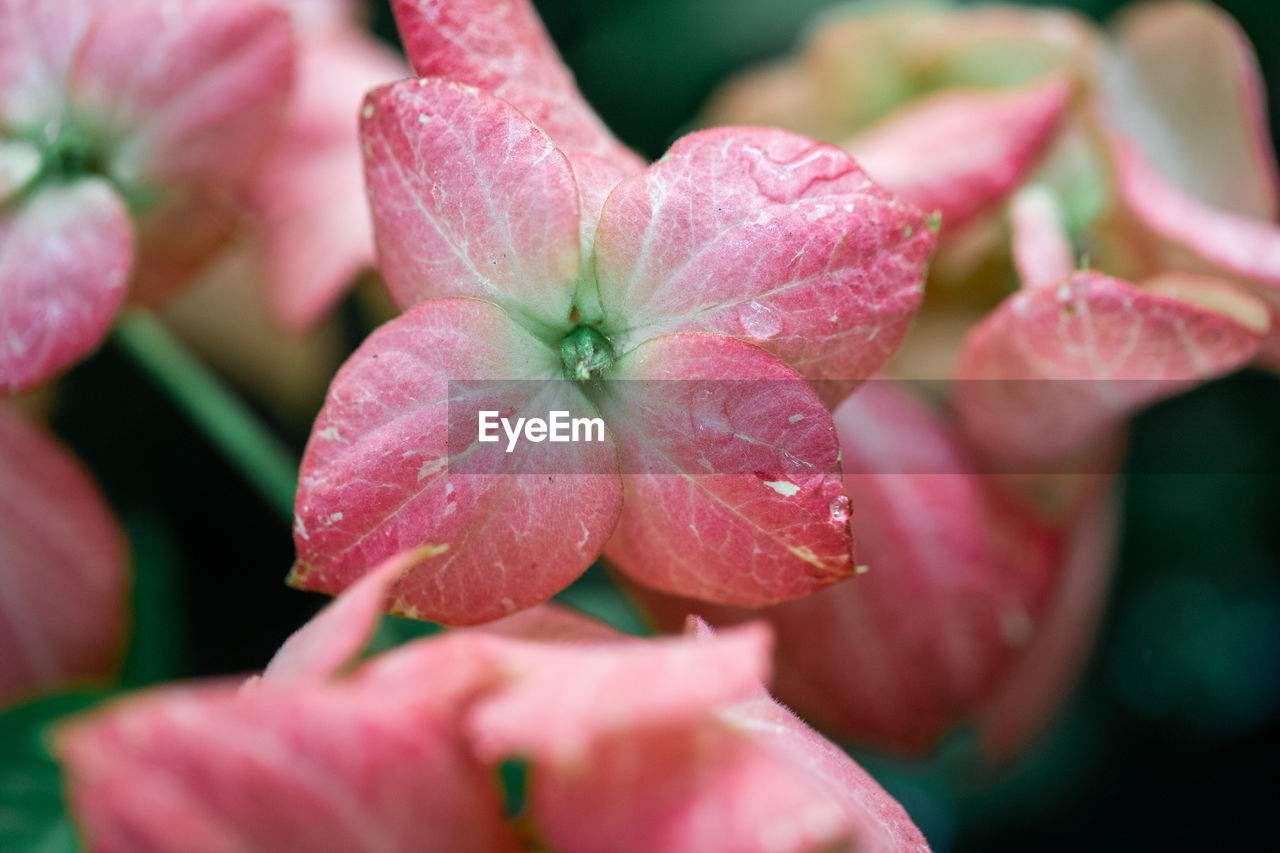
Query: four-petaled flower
x,y
526,244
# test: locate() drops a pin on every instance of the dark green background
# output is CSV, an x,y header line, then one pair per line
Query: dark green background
x,y
1172,741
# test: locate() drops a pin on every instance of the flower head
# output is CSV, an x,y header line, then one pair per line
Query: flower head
x,y
543,254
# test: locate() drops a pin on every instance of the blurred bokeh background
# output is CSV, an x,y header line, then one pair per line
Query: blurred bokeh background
x,y
1172,740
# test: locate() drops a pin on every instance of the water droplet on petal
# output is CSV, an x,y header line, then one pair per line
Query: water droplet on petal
x,y
759,321
839,507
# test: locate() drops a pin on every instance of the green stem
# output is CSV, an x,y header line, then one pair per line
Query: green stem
x,y
222,416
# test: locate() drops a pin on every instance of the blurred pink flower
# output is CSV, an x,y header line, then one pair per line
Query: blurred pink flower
x,y
630,744
127,128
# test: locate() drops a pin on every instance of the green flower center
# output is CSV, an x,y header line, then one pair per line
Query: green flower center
x,y
586,354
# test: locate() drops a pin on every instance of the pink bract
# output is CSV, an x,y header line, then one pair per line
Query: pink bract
x,y
63,568
631,744
743,254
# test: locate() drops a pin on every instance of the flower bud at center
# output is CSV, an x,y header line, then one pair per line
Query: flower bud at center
x,y
586,354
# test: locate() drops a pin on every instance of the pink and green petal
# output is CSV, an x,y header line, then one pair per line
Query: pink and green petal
x,y
307,768
63,568
500,46
1054,369
190,90
748,512
37,41
961,151
767,237
470,199
65,256
1184,85
376,476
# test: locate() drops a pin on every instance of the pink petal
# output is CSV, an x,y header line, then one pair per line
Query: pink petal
x,y
310,768
1185,86
501,47
871,818
195,89
337,634
561,699
469,199
63,569
685,791
749,777
1041,249
376,481
730,474
1050,664
1179,232
962,151
309,192
767,237
65,254
37,41
1053,369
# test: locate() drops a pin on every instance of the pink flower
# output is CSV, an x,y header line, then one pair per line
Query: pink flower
x,y
527,244
630,745
987,535
63,567
124,129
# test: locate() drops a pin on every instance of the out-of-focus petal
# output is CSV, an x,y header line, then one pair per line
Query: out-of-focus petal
x,y
337,634
1041,248
562,700
962,151
309,768
65,255
309,192
187,90
1184,85
63,570
470,199
37,41
767,237
1053,369
376,478
1050,664
730,473
1176,231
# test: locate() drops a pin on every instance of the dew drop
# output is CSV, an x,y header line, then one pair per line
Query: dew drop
x,y
839,507
759,321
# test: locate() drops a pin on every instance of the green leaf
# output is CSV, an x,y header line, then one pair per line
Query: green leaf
x,y
33,816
